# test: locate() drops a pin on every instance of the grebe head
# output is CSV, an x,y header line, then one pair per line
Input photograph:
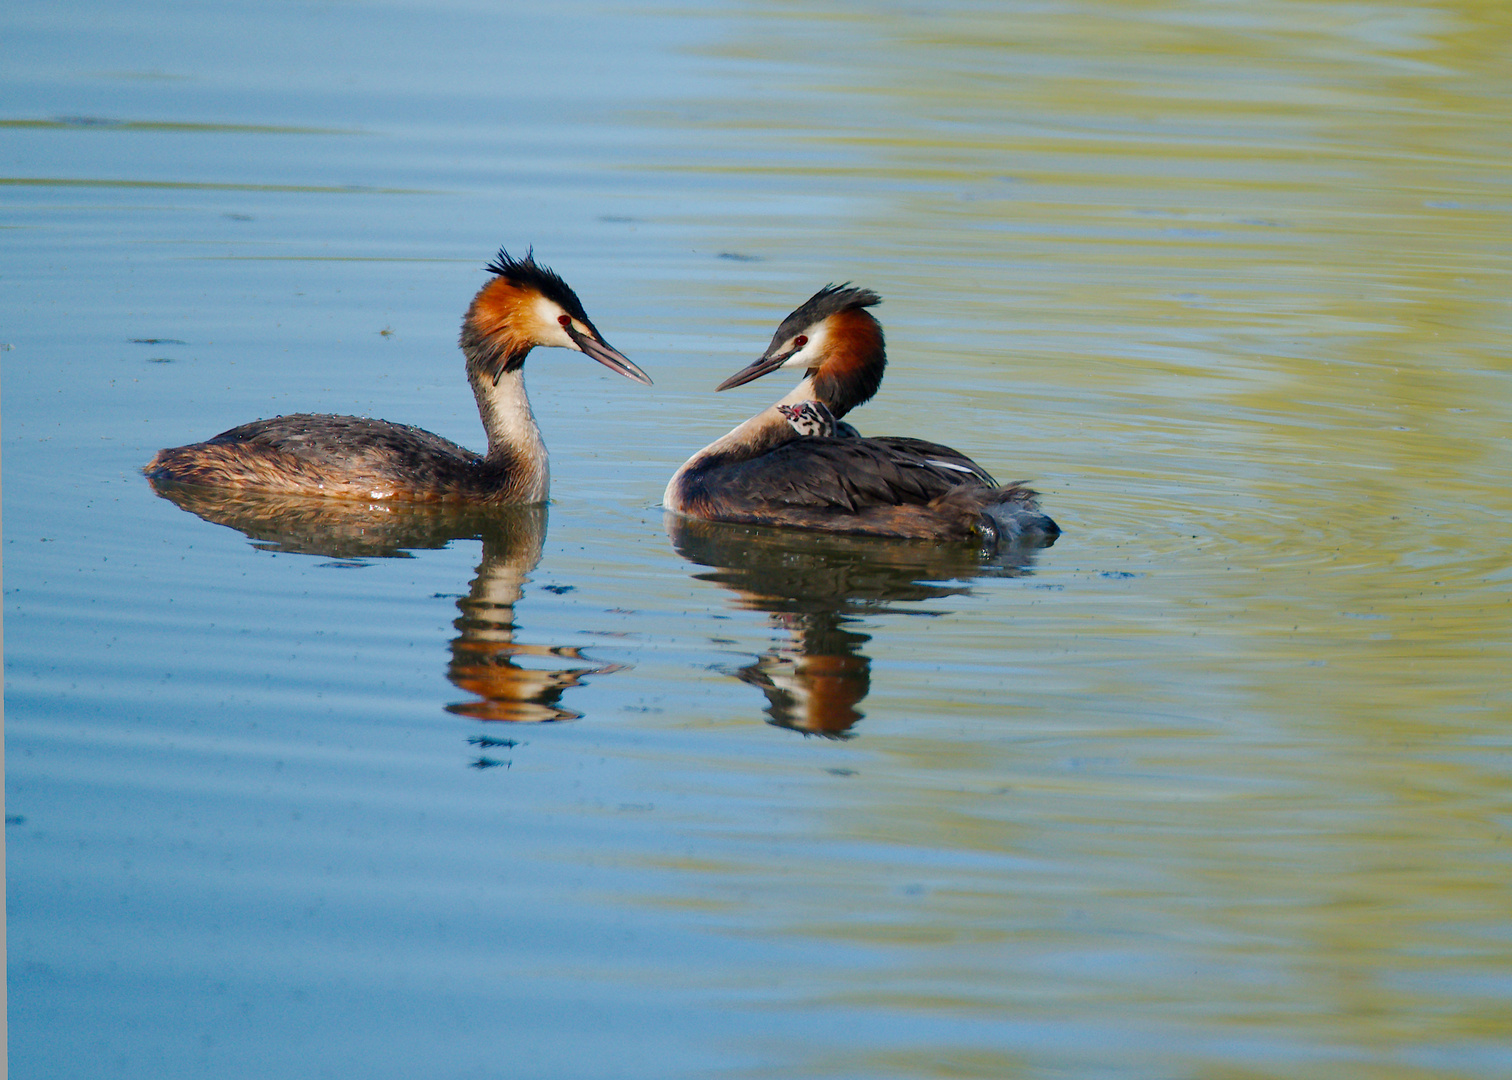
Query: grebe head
x,y
835,340
525,305
809,418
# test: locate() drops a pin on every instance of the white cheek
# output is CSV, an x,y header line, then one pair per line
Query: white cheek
x,y
809,355
548,320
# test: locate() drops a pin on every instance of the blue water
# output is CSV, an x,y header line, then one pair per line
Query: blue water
x,y
1214,786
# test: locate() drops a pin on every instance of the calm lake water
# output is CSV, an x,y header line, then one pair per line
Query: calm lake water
x,y
1216,787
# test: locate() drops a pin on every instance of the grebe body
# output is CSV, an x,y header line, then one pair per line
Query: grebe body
x,y
522,306
798,464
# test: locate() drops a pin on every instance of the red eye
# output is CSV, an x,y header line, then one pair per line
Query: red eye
x,y
800,341
565,320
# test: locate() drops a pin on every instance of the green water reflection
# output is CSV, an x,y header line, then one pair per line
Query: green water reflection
x,y
1230,286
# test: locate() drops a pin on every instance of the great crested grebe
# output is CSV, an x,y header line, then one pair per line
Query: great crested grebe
x,y
522,306
798,465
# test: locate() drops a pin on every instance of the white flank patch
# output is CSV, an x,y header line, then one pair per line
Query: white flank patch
x,y
950,465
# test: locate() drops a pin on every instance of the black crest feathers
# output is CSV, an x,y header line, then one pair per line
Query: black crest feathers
x,y
528,273
826,302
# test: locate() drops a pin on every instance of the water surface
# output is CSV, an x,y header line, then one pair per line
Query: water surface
x,y
1214,787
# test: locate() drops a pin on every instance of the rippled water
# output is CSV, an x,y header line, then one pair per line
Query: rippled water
x,y
1214,787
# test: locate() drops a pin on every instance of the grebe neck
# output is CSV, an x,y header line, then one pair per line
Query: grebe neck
x,y
514,438
852,367
767,429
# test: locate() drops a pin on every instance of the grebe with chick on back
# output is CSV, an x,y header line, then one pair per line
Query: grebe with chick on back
x,y
798,464
524,305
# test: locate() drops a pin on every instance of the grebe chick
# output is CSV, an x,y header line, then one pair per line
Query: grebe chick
x,y
827,476
522,306
814,418
809,418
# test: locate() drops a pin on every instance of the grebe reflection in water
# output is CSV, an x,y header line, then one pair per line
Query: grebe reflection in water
x,y
486,656
819,591
351,457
